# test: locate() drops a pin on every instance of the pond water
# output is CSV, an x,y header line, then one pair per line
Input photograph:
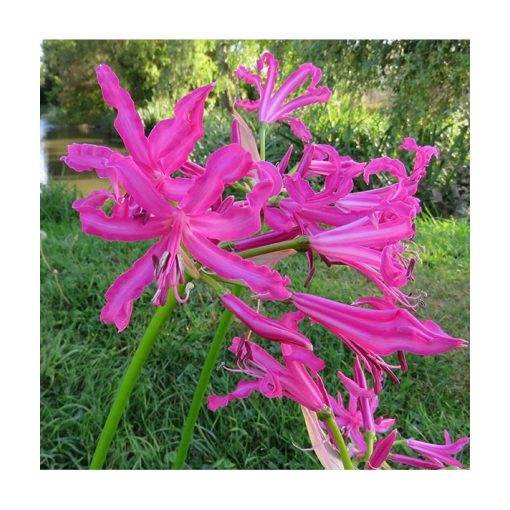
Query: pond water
x,y
54,142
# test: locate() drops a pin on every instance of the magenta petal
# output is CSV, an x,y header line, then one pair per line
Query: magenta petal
x,y
235,223
291,84
353,388
383,424
299,128
172,140
128,287
246,104
224,166
175,188
414,462
265,327
264,282
305,357
191,169
138,185
128,123
279,219
394,166
116,227
268,85
86,157
380,332
382,449
249,77
362,233
440,453
243,390
284,163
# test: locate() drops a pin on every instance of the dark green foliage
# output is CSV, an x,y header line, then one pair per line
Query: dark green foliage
x,y
82,360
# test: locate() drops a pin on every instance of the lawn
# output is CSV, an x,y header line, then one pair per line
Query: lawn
x,y
82,359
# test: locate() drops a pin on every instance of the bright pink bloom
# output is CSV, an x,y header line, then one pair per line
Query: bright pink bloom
x,y
297,378
382,449
437,455
199,220
382,331
273,105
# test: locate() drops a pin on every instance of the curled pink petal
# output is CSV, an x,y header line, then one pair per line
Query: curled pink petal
x,y
298,127
172,140
86,157
128,287
128,123
139,186
225,166
264,282
264,326
414,462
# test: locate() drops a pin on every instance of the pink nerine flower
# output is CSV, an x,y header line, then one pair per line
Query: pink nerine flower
x,y
437,455
383,331
297,378
198,219
273,105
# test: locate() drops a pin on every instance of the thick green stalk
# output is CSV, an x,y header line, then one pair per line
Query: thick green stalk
x,y
339,440
369,439
203,381
130,377
301,243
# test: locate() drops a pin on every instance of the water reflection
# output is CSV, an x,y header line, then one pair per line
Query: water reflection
x,y
54,142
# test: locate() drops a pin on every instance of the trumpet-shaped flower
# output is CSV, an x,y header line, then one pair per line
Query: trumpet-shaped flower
x,y
273,105
372,333
438,455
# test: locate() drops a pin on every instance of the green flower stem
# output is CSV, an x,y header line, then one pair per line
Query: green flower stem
x,y
203,381
301,243
213,282
328,417
369,438
262,141
130,377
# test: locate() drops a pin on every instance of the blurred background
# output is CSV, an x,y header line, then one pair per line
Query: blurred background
x,y
383,91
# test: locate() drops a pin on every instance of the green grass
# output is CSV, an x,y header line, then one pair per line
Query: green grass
x,y
82,360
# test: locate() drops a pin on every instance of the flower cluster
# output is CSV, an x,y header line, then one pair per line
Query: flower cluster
x,y
203,232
